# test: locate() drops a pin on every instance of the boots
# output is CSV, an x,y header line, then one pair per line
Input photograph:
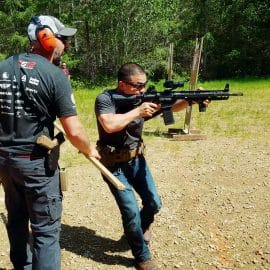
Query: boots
x,y
146,265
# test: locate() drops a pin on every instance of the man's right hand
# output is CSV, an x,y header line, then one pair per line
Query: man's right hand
x,y
146,109
93,153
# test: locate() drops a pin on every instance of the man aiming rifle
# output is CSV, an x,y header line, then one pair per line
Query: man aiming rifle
x,y
121,147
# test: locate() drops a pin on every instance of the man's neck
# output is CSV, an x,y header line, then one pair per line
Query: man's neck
x,y
47,55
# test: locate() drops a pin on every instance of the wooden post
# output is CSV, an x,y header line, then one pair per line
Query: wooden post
x,y
185,133
170,62
193,81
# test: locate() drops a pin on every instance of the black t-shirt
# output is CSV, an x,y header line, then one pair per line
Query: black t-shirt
x,y
130,136
33,92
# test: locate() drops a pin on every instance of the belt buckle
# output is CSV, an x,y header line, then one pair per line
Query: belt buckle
x,y
118,155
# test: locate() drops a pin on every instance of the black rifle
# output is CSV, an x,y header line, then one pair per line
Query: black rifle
x,y
168,97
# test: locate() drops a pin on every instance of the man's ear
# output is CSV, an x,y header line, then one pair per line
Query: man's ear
x,y
121,84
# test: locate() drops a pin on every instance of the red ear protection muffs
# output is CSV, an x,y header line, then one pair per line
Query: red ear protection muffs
x,y
47,39
44,35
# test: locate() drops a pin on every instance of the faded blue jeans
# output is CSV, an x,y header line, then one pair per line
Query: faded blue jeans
x,y
136,175
32,194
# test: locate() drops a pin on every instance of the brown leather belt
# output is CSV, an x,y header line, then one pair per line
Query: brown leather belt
x,y
110,157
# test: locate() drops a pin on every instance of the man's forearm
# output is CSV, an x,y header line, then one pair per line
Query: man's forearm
x,y
81,142
76,134
179,105
116,122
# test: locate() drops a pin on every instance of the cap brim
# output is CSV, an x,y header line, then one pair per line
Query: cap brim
x,y
67,32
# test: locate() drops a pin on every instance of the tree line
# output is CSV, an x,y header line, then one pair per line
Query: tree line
x,y
111,32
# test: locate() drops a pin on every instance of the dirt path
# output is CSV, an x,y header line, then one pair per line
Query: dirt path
x,y
215,213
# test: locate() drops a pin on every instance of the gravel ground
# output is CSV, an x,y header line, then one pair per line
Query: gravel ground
x,y
215,214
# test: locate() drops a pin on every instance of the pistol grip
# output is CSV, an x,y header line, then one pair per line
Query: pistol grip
x,y
202,107
168,115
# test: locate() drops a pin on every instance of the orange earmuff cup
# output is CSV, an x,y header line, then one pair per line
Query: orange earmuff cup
x,y
47,39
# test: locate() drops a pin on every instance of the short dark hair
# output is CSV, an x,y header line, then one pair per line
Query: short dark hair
x,y
129,69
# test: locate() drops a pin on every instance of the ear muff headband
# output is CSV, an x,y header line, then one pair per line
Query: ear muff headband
x,y
44,35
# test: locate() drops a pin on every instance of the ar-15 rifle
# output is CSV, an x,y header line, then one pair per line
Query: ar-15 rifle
x,y
168,97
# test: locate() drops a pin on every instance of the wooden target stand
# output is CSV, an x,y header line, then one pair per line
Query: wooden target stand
x,y
186,133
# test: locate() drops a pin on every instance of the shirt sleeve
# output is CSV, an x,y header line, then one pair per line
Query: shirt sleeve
x,y
104,104
64,98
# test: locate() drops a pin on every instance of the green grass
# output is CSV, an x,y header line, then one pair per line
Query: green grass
x,y
245,116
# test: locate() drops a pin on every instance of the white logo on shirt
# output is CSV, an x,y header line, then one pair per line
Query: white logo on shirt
x,y
72,98
24,78
5,75
34,81
4,85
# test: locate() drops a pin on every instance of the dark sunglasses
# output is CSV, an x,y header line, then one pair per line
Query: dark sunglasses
x,y
137,85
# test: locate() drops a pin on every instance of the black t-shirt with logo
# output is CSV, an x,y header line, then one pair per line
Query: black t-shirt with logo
x,y
130,136
33,92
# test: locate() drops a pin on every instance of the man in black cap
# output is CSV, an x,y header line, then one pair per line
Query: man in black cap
x,y
33,92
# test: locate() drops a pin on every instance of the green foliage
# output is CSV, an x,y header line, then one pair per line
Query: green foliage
x,y
236,43
18,42
2,56
155,63
123,31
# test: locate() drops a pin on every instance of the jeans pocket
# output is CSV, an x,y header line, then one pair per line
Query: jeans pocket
x,y
55,209
45,213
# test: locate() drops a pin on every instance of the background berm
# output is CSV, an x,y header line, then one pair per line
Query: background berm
x,y
215,214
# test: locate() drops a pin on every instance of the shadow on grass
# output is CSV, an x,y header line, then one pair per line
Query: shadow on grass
x,y
86,243
155,133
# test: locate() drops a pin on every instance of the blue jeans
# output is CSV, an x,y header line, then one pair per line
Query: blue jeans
x,y
136,175
32,194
